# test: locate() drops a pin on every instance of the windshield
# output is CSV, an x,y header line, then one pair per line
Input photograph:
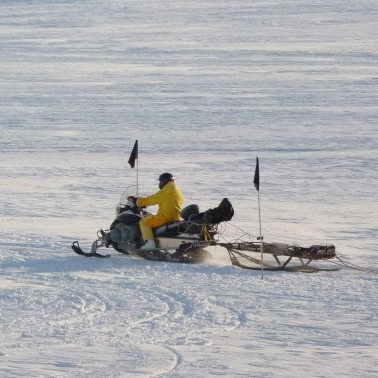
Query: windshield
x,y
130,191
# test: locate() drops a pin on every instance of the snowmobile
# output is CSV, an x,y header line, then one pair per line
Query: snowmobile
x,y
181,241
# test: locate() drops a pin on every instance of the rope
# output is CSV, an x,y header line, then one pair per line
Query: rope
x,y
354,266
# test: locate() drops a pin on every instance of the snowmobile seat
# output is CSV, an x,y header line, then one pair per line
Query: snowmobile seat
x,y
168,229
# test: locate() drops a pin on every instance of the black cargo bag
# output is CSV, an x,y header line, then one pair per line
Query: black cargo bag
x,y
224,212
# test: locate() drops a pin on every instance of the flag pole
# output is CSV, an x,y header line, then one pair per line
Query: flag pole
x,y
132,158
137,176
261,239
256,182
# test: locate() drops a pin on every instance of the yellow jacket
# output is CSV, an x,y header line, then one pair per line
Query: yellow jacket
x,y
169,199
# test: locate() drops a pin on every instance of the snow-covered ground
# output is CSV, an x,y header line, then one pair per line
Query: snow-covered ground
x,y
205,86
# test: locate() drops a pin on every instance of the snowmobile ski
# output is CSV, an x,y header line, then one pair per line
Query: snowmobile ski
x,y
77,249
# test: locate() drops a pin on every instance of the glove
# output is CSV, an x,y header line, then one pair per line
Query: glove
x,y
132,201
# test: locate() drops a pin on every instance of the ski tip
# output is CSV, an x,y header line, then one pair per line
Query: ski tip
x,y
76,248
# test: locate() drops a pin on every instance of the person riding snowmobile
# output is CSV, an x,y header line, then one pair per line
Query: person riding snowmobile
x,y
169,199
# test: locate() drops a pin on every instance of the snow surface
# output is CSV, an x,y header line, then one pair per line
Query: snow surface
x,y
205,86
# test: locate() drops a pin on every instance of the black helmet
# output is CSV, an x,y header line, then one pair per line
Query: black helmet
x,y
164,178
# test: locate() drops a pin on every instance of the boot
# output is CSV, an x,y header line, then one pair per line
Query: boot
x,y
150,244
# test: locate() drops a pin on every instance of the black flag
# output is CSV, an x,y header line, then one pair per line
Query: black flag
x,y
134,155
256,180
